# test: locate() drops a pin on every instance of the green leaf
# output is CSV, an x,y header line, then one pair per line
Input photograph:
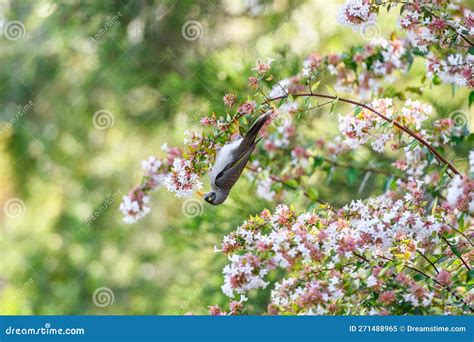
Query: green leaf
x,y
331,90
291,183
357,111
352,175
318,161
455,251
470,277
471,97
413,144
313,194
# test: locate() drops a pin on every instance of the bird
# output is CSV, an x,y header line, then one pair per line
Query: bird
x,y
230,162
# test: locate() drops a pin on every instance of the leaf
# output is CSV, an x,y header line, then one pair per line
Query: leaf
x,y
413,145
331,91
455,250
318,161
352,175
471,97
435,203
470,276
443,170
291,183
315,85
313,194
357,111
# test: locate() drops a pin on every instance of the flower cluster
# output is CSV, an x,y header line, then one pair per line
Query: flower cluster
x,y
441,31
364,244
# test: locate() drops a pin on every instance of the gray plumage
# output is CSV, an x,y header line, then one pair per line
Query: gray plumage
x,y
231,161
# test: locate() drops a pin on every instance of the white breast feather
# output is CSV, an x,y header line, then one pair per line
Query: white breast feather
x,y
223,158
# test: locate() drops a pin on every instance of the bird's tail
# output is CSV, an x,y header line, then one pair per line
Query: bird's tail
x,y
252,133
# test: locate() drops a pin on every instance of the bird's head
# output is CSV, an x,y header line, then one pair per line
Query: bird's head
x,y
215,197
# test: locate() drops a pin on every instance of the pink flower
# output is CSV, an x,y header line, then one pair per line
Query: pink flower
x,y
215,310
253,82
229,99
387,298
247,107
262,68
444,278
207,121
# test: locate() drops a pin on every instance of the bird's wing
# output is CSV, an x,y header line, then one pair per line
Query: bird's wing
x,y
231,173
249,139
224,157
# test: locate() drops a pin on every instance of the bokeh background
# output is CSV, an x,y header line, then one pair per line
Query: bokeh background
x,y
63,174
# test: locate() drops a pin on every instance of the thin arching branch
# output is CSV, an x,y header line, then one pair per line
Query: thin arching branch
x,y
407,130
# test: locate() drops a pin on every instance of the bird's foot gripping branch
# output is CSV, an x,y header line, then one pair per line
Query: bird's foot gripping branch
x,y
406,248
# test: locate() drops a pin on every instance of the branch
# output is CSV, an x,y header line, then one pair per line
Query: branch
x,y
413,134
460,256
447,288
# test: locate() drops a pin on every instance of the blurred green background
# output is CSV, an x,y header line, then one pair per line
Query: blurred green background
x,y
71,59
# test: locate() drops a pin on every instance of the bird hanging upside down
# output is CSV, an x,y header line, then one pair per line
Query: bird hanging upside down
x,y
230,162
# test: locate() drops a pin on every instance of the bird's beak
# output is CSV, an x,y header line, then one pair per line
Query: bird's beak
x,y
200,194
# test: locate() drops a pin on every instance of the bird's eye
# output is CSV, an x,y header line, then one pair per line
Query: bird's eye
x,y
210,197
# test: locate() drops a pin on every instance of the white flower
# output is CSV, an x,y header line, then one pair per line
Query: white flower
x,y
371,281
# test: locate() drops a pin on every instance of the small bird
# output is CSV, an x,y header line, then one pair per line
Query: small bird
x,y
230,162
